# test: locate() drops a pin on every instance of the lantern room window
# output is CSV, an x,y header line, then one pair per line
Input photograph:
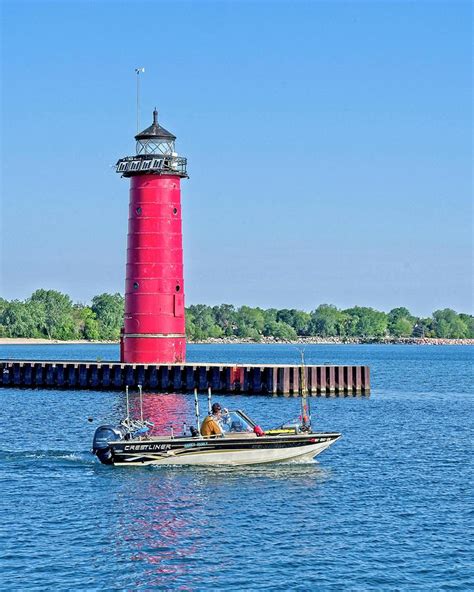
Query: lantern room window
x,y
155,146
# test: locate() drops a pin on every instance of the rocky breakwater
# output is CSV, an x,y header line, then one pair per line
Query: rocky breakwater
x,y
342,341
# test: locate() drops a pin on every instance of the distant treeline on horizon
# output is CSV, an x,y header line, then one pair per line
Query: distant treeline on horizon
x,y
53,315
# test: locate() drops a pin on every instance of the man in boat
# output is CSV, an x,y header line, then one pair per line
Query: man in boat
x,y
211,426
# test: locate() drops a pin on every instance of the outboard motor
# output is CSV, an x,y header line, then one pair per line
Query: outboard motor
x,y
100,445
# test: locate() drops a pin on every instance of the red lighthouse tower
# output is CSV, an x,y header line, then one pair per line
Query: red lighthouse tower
x,y
154,326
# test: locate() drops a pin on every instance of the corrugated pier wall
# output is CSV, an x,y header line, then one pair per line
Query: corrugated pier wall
x,y
323,381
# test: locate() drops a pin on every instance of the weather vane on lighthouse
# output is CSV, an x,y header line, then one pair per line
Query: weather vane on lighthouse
x,y
154,323
138,71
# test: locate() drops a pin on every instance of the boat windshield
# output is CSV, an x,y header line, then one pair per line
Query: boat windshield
x,y
234,422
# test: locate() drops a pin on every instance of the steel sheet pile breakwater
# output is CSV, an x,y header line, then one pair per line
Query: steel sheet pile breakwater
x,y
270,379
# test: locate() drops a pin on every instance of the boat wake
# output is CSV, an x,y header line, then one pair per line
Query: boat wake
x,y
67,456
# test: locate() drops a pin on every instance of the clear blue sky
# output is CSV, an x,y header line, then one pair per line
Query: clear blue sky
x,y
328,144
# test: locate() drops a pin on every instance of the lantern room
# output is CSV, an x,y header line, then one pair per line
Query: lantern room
x,y
155,139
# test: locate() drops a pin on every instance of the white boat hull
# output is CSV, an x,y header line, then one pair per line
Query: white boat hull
x,y
249,456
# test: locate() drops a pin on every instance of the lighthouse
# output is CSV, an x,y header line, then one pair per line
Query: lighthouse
x,y
154,323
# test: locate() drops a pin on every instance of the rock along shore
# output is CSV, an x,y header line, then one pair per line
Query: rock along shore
x,y
345,341
267,340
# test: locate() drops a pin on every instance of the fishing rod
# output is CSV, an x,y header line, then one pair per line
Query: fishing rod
x,y
196,410
305,405
209,403
128,403
141,402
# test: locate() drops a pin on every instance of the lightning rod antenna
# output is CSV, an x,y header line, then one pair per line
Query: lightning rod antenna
x,y
138,71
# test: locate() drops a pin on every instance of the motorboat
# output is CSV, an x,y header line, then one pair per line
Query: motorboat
x,y
242,442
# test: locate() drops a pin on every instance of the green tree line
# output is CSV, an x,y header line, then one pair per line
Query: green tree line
x,y
52,315
326,320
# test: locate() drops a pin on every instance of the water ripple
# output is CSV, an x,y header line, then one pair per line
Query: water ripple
x,y
388,507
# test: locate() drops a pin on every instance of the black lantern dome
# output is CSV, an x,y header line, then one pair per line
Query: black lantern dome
x,y
155,139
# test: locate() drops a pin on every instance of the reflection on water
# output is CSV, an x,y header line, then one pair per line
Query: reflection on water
x,y
168,517
158,528
164,411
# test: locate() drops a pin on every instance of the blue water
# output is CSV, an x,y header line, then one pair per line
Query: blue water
x,y
388,507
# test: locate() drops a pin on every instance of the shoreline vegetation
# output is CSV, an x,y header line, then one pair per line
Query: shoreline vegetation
x,y
49,316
